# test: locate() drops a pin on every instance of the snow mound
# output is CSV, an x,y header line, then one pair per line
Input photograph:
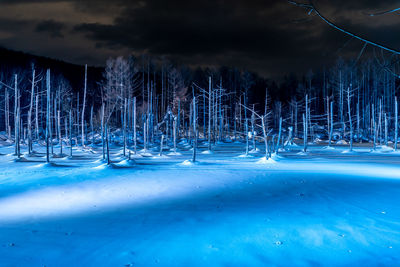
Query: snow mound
x,y
160,157
342,142
50,165
125,164
385,148
101,160
245,156
22,159
146,154
302,153
275,156
264,160
187,163
382,149
328,147
101,167
207,152
254,150
134,155
348,151
60,156
174,154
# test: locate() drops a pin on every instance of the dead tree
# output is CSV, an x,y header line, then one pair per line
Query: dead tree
x,y
134,126
124,127
48,125
33,84
83,109
209,112
194,122
59,132
331,124
70,133
279,135
263,126
305,133
102,132
350,120
396,128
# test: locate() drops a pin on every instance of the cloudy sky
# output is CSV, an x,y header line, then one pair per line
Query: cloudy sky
x,y
269,37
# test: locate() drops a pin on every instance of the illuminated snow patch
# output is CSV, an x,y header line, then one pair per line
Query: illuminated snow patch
x,y
89,196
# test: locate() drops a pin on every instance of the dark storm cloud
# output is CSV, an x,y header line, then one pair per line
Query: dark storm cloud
x,y
271,37
253,30
51,27
12,24
208,28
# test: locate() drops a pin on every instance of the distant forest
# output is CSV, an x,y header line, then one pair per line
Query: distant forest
x,y
347,101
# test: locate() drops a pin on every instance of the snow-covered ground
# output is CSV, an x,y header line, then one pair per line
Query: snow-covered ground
x,y
325,207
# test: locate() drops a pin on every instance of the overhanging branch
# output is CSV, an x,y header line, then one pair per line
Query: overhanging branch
x,y
312,9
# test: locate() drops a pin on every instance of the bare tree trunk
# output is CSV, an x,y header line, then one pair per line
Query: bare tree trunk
x,y
279,135
328,114
265,136
209,112
386,130
70,133
380,121
124,127
7,113
145,136
306,118
66,129
91,125
102,132
108,146
174,126
253,118
83,109
134,125
37,117
55,116
247,136
331,122
194,122
358,121
305,133
295,120
395,123
48,117
16,119
51,127
30,113
350,121
161,144
59,132
374,125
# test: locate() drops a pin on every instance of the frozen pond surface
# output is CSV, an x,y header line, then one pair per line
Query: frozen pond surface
x,y
326,207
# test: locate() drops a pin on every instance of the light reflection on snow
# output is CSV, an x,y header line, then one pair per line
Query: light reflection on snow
x,y
91,196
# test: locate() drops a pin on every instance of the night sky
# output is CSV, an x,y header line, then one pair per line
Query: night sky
x,y
270,37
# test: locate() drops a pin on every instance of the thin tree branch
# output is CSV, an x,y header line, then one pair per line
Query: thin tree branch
x,y
312,9
383,12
